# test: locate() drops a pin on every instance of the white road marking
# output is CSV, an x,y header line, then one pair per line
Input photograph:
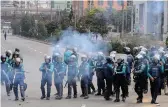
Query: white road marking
x,y
35,50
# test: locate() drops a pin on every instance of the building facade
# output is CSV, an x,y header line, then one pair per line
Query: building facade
x,y
151,18
80,7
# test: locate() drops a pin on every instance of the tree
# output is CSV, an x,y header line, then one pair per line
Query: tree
x,y
42,31
96,22
27,22
51,26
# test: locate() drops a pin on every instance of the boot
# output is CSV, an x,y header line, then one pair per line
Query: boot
x,y
42,97
58,97
16,98
82,95
117,97
123,99
139,101
75,96
86,97
68,97
23,99
48,98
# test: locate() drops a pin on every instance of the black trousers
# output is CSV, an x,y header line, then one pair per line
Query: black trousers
x,y
108,90
140,86
72,84
120,81
101,85
155,88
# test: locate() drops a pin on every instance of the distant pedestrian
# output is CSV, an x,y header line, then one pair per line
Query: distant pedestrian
x,y
5,35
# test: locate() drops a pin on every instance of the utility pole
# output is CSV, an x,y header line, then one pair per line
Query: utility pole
x,y
132,20
122,32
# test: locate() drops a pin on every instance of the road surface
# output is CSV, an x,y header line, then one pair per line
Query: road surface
x,y
33,54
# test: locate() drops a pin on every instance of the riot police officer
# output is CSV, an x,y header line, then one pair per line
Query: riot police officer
x,y
108,69
139,77
166,72
47,69
84,74
59,72
120,79
10,61
154,74
19,79
100,75
72,76
5,70
91,74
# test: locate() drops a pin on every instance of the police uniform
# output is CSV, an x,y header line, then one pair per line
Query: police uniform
x,y
139,79
59,72
108,74
120,81
84,74
19,80
47,71
155,72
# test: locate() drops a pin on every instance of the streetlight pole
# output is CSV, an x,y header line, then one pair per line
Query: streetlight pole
x,y
132,19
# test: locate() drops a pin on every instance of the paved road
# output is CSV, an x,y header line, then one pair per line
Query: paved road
x,y
33,54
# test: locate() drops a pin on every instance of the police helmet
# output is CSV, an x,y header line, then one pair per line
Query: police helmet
x,y
139,56
47,58
17,50
8,53
120,60
72,58
156,57
108,60
3,58
143,53
83,58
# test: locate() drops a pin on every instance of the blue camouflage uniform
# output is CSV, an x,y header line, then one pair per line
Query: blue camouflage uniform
x,y
19,80
71,77
84,73
5,70
59,72
46,77
155,71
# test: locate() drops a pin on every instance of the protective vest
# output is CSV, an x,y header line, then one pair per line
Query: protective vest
x,y
155,71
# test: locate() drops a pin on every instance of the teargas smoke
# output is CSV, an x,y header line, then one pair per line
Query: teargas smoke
x,y
82,41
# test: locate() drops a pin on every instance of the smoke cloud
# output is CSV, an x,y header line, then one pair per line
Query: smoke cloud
x,y
82,41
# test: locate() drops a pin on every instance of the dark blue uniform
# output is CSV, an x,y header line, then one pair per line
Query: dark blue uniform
x,y
155,72
108,75
59,72
19,80
84,74
47,70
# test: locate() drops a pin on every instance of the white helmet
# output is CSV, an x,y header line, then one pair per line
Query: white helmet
x,y
156,56
142,53
47,57
166,55
143,49
139,56
9,51
100,53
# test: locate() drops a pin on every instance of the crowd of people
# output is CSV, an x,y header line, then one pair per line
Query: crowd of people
x,y
112,74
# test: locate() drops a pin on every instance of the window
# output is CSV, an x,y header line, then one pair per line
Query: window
x,y
100,2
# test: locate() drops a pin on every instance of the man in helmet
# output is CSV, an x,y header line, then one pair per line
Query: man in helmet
x,y
130,61
84,74
166,71
139,77
155,72
5,69
120,79
59,72
19,79
47,69
108,70
10,61
72,76
91,74
100,75
67,55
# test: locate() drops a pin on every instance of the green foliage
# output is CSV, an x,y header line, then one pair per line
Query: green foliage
x,y
167,41
42,31
96,22
117,46
51,26
27,22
